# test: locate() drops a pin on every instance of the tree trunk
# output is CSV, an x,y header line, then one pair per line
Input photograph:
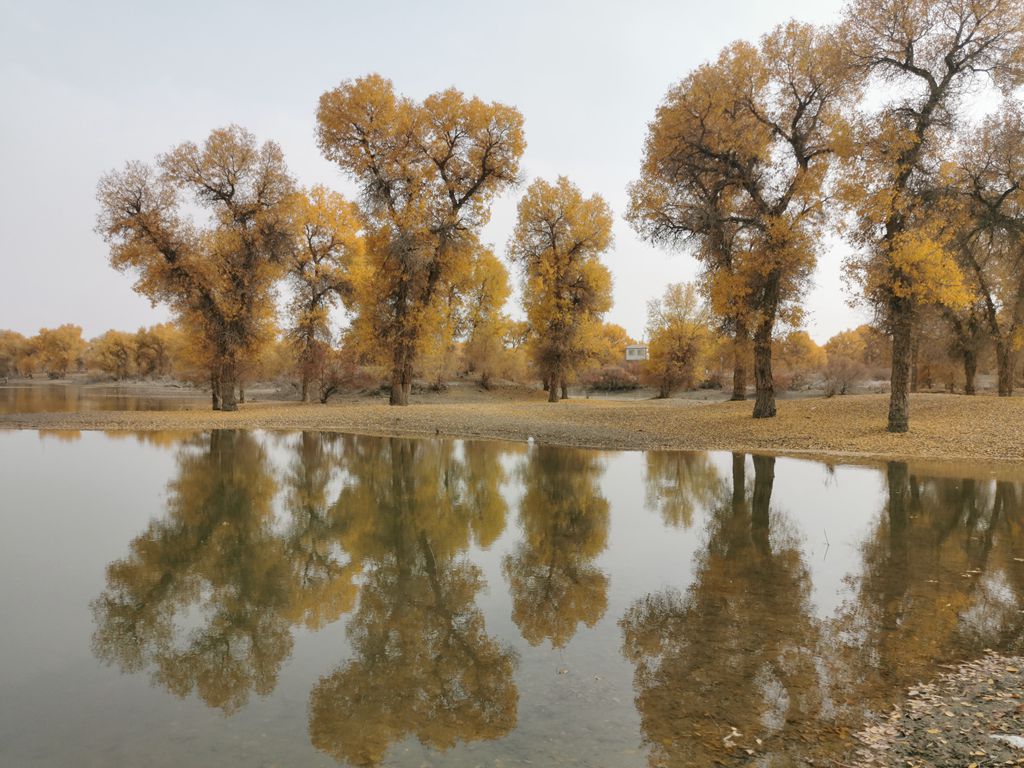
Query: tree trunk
x,y
565,390
305,387
740,350
215,391
547,383
399,393
227,388
553,389
401,378
915,374
970,370
899,400
241,392
764,405
1005,364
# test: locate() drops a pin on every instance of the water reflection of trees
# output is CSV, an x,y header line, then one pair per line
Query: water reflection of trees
x,y
551,574
678,483
209,596
742,648
422,662
202,598
734,650
940,581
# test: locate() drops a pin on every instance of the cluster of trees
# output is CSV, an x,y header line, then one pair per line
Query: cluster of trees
x,y
751,156
858,128
155,352
406,263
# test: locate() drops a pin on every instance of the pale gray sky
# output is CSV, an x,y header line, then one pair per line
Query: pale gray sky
x,y
87,86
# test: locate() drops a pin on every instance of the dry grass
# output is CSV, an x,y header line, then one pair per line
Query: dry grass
x,y
943,427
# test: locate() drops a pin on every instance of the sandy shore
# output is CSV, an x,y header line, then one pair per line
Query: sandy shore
x,y
943,427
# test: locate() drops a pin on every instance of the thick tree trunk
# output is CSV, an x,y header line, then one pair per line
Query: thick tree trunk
x,y
970,370
399,393
215,391
740,352
553,389
899,399
1005,360
227,388
305,387
401,377
565,390
764,404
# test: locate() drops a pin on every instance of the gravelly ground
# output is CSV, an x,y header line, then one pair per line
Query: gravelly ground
x,y
945,427
970,716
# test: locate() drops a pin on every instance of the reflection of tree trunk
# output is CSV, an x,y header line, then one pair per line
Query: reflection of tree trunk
x,y
898,518
764,480
764,405
739,482
895,583
899,400
740,351
1005,365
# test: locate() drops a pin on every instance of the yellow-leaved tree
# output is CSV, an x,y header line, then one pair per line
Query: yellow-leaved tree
x,y
989,178
58,350
328,242
486,326
557,243
679,336
919,57
735,164
428,172
217,276
112,353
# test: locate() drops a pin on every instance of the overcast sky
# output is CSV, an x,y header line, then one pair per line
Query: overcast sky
x,y
87,86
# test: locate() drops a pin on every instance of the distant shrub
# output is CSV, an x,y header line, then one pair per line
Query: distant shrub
x,y
842,374
610,378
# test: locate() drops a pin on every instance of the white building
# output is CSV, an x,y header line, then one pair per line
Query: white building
x,y
636,352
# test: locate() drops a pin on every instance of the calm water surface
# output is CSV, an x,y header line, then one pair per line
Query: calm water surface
x,y
49,397
250,598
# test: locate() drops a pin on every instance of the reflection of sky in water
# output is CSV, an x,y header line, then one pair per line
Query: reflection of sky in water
x,y
74,503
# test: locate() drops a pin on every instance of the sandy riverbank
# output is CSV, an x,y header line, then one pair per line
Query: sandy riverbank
x,y
943,427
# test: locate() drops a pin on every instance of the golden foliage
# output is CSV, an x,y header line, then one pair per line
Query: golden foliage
x,y
557,242
428,173
218,278
680,336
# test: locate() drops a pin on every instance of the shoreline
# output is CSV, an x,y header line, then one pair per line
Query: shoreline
x,y
849,429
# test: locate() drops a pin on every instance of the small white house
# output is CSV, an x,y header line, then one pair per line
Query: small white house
x,y
636,352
